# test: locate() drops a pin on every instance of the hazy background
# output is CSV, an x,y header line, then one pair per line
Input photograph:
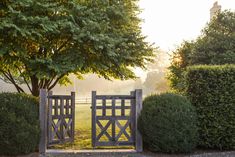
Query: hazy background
x,y
151,81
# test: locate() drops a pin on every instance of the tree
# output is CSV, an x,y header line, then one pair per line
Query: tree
x,y
215,46
179,62
156,81
42,42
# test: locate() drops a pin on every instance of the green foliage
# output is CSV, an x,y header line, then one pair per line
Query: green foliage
x,y
179,62
211,91
216,46
42,42
19,121
168,123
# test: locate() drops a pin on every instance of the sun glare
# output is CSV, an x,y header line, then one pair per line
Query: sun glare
x,y
167,23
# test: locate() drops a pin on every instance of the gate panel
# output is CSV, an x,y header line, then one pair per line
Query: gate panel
x,y
61,118
113,120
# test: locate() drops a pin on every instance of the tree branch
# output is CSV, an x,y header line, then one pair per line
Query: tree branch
x,y
26,82
11,79
62,45
55,82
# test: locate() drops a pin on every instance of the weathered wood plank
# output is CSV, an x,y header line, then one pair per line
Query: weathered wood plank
x,y
113,143
128,97
103,107
133,124
60,97
113,120
43,121
62,118
67,106
93,119
111,107
56,106
139,142
49,128
104,130
73,115
59,116
123,107
123,130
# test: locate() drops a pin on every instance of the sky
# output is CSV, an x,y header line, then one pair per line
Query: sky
x,y
168,22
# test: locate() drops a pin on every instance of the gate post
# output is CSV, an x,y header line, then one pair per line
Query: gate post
x,y
138,103
43,104
93,119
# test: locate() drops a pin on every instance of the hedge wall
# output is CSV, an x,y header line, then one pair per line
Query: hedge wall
x,y
211,89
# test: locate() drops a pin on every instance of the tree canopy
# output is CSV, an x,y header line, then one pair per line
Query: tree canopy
x,y
215,46
42,42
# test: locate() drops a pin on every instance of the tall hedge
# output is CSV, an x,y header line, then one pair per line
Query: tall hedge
x,y
19,124
211,90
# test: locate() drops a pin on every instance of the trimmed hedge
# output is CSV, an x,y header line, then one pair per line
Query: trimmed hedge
x,y
211,90
19,124
168,124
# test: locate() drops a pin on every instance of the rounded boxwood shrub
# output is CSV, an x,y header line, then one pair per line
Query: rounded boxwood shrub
x,y
19,124
168,124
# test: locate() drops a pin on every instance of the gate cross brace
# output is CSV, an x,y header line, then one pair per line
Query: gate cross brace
x,y
104,130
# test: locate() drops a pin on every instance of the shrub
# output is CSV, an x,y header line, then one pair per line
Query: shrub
x,y
19,124
168,123
211,90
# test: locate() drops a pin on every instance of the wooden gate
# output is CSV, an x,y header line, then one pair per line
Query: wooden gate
x,y
61,118
114,120
57,117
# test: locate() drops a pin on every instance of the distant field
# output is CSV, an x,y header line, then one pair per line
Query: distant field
x,y
82,129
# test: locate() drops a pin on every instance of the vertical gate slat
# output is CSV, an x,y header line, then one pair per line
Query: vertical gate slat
x,y
113,120
133,117
62,119
56,106
123,107
93,110
67,106
104,107
50,120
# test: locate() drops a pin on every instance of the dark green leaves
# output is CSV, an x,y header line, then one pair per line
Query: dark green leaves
x,y
51,39
211,91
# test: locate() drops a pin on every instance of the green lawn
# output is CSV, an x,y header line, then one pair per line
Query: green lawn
x,y
83,129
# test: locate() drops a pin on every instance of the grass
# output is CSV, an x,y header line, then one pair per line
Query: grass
x,y
83,129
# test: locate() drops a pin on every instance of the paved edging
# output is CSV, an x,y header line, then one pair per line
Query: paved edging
x,y
215,154
127,153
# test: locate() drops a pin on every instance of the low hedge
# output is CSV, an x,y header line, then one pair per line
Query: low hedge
x,y
211,90
19,124
168,124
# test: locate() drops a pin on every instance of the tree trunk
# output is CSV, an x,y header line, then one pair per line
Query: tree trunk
x,y
35,86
